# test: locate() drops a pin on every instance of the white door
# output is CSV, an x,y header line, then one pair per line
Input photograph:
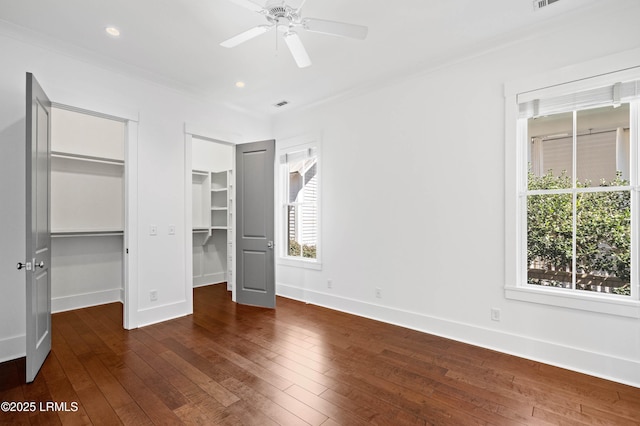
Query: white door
x,y
38,235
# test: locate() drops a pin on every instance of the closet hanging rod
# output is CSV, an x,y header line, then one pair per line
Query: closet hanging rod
x,y
67,234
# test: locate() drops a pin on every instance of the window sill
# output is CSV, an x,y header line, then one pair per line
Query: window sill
x,y
568,299
300,263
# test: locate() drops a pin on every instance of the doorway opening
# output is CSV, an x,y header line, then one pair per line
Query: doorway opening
x,y
88,209
212,212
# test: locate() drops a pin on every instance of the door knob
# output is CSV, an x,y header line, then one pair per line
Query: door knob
x,y
270,244
26,265
40,264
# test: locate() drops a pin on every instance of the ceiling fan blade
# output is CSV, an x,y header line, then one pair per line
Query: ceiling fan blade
x,y
300,6
335,28
297,49
246,36
248,4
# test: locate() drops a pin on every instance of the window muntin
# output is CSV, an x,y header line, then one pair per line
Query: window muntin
x,y
578,200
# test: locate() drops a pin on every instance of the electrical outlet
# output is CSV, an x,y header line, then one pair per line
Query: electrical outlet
x,y
153,295
378,293
329,283
495,314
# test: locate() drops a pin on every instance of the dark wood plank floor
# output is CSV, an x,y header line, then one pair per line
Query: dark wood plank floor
x,y
301,364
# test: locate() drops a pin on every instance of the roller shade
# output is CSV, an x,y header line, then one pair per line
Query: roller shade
x,y
601,96
298,155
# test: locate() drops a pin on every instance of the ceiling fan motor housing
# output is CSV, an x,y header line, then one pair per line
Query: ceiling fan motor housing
x,y
280,11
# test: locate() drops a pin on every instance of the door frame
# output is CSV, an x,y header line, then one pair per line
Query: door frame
x,y
129,294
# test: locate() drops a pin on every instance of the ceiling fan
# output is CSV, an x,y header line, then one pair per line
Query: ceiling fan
x,y
287,19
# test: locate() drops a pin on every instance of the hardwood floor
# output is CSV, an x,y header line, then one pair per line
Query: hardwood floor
x,y
301,364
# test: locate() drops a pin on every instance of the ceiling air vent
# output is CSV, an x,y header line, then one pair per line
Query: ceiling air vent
x,y
281,104
539,4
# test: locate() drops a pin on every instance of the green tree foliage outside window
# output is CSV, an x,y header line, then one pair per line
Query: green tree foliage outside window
x,y
308,251
603,231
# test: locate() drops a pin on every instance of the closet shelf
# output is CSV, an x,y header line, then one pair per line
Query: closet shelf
x,y
87,158
87,233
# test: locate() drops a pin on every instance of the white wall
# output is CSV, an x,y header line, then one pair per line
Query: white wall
x,y
425,157
161,170
86,271
211,156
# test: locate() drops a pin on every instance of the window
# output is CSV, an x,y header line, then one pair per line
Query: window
x,y
574,194
300,230
578,200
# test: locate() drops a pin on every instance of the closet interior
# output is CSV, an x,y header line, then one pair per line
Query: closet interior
x,y
212,211
87,209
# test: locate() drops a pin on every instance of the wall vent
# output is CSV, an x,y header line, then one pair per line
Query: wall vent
x,y
281,104
539,4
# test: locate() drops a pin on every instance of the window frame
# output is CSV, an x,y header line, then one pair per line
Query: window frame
x,y
609,70
290,146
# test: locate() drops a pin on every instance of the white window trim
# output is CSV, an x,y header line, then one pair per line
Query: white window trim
x,y
287,146
608,70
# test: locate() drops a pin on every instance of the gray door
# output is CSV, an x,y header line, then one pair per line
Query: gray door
x,y
38,258
255,264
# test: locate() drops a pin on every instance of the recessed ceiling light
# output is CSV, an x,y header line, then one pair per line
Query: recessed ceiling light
x,y
112,31
240,84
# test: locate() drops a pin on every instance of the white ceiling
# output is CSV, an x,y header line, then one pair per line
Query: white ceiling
x,y
176,42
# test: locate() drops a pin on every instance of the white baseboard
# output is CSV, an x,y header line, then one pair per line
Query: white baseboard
x,y
12,348
605,366
209,279
162,313
78,301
